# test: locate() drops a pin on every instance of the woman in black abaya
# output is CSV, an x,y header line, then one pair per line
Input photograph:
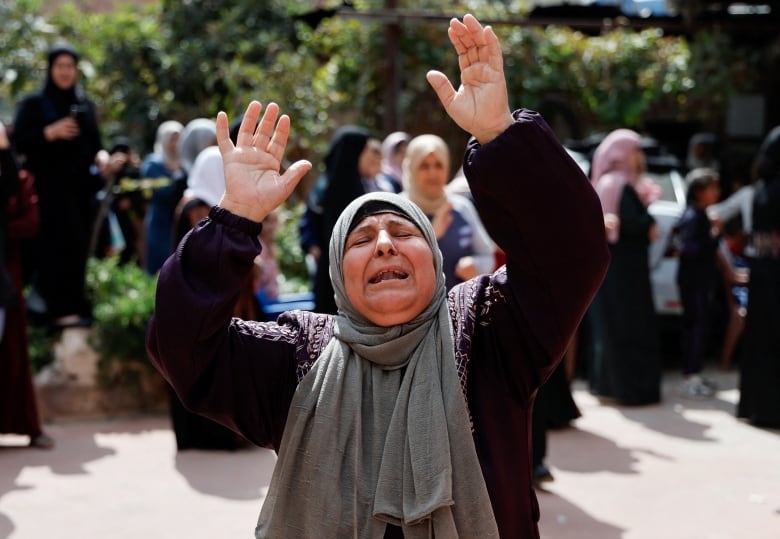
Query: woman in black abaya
x,y
759,401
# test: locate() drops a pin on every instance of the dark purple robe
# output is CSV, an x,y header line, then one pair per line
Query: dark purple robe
x,y
510,328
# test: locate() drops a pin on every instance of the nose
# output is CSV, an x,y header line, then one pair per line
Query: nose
x,y
384,244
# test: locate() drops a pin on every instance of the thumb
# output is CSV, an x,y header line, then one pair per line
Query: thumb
x,y
442,86
296,171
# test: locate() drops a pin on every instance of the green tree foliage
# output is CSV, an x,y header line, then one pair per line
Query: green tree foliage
x,y
24,39
185,59
180,59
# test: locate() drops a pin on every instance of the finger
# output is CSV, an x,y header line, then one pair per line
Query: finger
x,y
223,136
278,142
495,56
442,86
454,32
266,127
473,26
246,131
471,37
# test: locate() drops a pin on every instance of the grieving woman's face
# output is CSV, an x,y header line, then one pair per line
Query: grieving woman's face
x,y
389,274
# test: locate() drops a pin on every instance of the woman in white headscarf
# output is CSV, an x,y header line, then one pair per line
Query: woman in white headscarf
x,y
393,152
463,240
384,415
164,168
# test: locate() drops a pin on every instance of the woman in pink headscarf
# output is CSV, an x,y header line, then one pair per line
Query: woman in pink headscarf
x,y
626,362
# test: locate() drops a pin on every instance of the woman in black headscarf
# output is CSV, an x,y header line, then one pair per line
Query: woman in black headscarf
x,y
352,164
759,400
57,134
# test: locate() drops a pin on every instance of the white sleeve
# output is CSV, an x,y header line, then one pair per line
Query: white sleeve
x,y
738,203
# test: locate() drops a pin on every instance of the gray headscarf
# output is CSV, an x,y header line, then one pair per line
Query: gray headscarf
x,y
378,430
197,135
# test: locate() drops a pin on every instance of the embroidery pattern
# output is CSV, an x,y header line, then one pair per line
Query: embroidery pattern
x,y
316,331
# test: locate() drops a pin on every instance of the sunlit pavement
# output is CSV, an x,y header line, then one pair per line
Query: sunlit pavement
x,y
679,470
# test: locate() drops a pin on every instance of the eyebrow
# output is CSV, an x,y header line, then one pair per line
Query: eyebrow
x,y
396,221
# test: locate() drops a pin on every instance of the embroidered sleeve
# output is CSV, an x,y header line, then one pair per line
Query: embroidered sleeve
x,y
311,333
471,304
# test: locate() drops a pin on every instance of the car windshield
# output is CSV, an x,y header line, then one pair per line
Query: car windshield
x,y
664,180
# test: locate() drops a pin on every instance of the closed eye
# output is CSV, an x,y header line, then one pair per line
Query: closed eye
x,y
358,240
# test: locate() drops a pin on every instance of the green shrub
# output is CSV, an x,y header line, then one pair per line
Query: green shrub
x,y
123,301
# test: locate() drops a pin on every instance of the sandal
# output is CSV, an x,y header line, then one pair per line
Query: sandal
x,y
42,441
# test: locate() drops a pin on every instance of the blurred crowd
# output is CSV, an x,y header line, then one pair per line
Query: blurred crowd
x,y
64,197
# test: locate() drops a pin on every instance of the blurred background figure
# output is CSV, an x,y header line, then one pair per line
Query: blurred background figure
x,y
205,186
267,275
759,401
703,152
466,246
626,363
353,162
393,153
164,167
698,244
57,134
118,228
19,221
554,408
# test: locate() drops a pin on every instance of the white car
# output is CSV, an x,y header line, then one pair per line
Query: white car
x,y
662,255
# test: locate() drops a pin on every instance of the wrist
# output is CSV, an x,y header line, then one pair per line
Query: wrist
x,y
487,135
247,211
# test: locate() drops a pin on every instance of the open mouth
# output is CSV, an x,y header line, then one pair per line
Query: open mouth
x,y
388,275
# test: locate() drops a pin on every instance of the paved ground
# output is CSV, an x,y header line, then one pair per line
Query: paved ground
x,y
679,470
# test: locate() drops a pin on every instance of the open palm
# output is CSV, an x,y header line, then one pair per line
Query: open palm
x,y
480,105
254,186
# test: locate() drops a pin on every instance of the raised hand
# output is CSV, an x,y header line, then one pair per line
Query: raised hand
x,y
481,104
254,186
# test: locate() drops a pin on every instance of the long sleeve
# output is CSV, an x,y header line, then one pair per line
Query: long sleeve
x,y
28,127
239,373
541,210
513,326
740,202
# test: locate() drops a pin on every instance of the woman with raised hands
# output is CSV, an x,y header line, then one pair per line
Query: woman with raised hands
x,y
385,416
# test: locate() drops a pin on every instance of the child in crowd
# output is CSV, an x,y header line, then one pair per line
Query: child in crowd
x,y
699,239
